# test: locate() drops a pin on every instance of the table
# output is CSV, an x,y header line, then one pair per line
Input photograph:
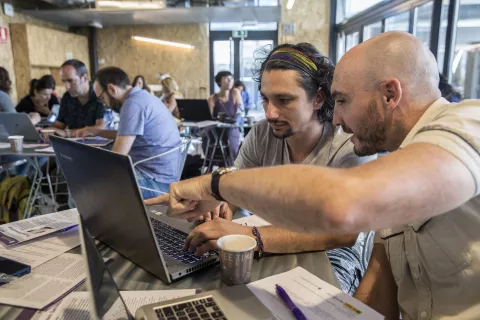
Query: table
x,y
31,155
129,277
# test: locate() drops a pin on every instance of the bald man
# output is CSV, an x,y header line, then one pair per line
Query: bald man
x,y
423,196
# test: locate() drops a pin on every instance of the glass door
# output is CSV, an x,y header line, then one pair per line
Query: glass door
x,y
229,53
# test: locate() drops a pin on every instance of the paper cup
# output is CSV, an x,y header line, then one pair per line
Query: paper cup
x,y
46,133
16,142
236,258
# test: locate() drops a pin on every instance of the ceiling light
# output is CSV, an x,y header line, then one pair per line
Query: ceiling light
x,y
290,4
130,4
163,42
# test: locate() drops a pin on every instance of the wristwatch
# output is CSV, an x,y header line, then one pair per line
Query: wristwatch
x,y
215,186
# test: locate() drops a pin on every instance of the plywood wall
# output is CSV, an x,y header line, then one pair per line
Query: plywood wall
x,y
6,50
189,67
312,23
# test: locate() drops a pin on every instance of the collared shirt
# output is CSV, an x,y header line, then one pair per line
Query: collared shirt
x,y
75,115
145,116
436,262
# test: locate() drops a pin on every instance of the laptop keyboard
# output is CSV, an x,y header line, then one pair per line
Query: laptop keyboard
x,y
200,309
171,242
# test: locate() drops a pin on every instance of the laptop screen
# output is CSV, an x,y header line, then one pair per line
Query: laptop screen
x,y
106,299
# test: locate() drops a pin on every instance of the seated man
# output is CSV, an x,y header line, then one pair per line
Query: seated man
x,y
79,107
295,85
146,129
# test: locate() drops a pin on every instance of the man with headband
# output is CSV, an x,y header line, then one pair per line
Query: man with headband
x,y
294,81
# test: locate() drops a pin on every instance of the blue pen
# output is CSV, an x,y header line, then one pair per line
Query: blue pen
x,y
295,310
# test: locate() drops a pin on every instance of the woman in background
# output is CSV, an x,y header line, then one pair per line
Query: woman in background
x,y
39,99
6,104
140,82
171,94
51,81
228,101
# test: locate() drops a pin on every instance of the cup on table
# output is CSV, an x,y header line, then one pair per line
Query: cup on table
x,y
250,120
236,258
221,116
46,133
16,142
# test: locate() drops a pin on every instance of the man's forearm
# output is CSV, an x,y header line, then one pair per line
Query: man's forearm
x,y
277,240
368,197
378,288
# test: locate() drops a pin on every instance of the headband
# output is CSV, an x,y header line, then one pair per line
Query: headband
x,y
295,58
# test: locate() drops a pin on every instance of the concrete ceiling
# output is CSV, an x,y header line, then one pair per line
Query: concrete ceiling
x,y
84,17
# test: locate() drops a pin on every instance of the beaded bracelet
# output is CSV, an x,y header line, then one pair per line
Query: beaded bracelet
x,y
258,237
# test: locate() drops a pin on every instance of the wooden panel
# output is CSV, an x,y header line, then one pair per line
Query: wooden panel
x,y
189,67
22,63
312,23
50,47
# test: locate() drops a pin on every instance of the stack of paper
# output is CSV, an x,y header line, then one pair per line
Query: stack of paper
x,y
314,297
25,230
45,284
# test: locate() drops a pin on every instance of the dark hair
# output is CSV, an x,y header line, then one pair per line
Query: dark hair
x,y
220,75
5,82
447,90
41,84
112,75
322,79
79,66
48,78
145,86
239,83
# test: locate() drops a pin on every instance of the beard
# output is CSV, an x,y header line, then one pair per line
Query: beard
x,y
371,135
287,133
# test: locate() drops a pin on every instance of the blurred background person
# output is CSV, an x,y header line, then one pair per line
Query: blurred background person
x,y
6,104
51,80
245,96
39,98
228,101
170,94
448,91
139,81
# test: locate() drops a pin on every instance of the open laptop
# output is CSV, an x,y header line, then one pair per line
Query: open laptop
x,y
194,110
18,124
52,117
226,303
104,187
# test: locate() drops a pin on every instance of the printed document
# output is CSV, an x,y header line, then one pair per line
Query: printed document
x,y
47,283
77,305
24,230
35,253
252,221
316,298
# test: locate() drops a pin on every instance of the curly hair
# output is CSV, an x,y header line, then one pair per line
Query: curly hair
x,y
310,83
5,82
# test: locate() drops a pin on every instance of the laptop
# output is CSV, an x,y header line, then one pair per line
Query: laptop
x,y
18,124
194,110
52,117
104,187
226,303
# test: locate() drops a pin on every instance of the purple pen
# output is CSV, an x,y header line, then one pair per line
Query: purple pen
x,y
290,305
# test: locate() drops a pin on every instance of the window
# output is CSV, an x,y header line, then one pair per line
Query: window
x,y
349,8
352,41
466,62
400,22
372,30
442,38
424,22
228,26
340,45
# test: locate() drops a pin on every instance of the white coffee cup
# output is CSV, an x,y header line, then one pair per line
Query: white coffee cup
x,y
16,142
236,258
46,133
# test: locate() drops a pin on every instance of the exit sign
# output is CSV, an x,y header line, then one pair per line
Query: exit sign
x,y
239,33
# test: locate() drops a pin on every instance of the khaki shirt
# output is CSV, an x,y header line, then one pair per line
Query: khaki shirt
x,y
436,262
